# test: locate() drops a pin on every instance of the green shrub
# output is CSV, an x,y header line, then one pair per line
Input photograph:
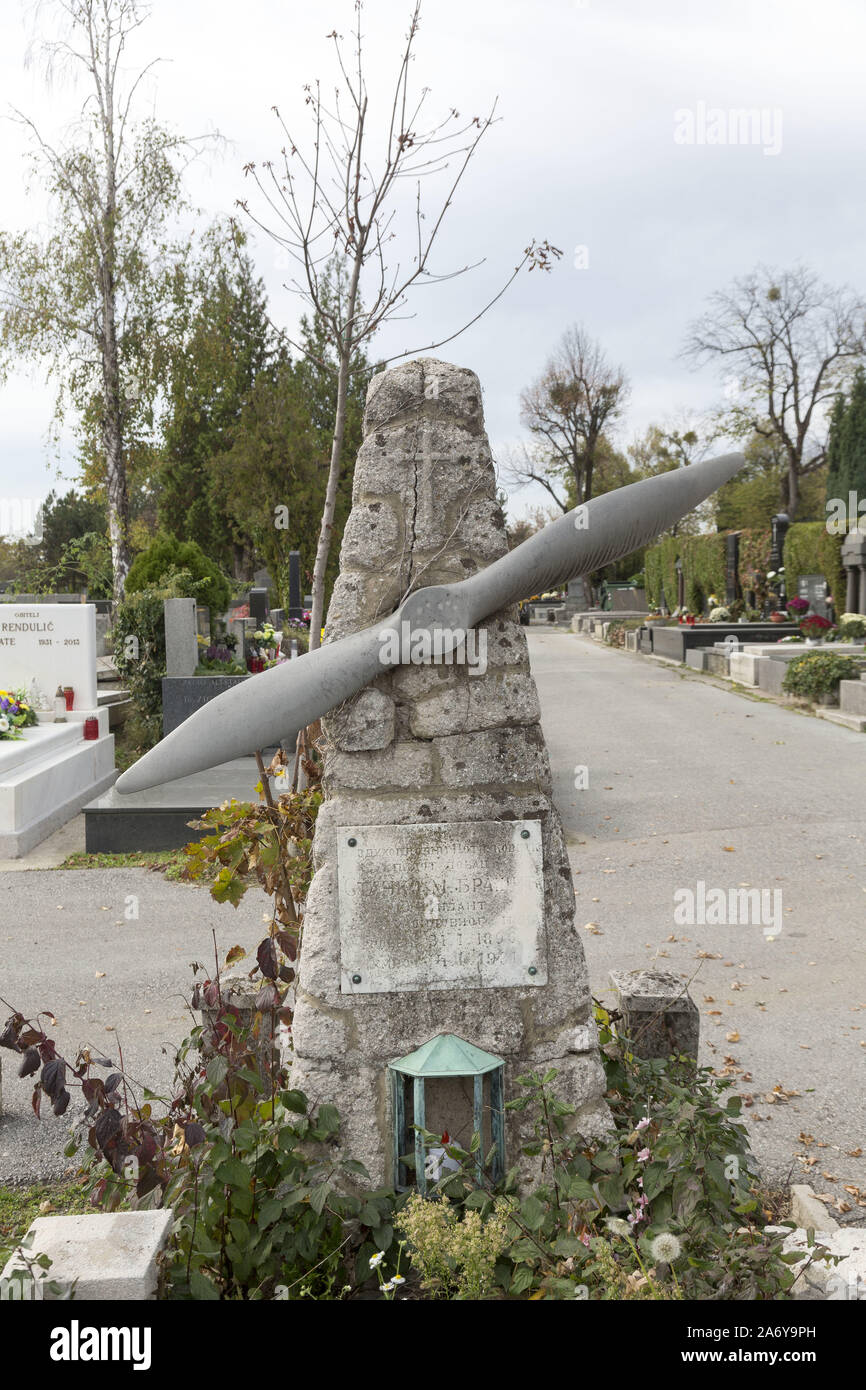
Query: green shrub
x,y
664,1207
139,655
852,625
819,673
166,559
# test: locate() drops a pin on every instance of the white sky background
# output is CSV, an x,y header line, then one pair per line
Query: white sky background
x,y
584,155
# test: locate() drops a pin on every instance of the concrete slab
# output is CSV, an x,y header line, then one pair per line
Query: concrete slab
x,y
111,1256
159,818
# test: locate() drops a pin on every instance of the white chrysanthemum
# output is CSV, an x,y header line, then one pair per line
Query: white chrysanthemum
x,y
376,1260
666,1248
386,1288
617,1226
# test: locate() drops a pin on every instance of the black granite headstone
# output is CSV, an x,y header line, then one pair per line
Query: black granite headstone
x,y
732,564
259,605
183,695
296,608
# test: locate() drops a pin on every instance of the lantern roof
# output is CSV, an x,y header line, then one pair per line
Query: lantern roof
x,y
446,1055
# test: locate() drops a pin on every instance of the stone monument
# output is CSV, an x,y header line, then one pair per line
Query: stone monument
x,y
442,901
443,898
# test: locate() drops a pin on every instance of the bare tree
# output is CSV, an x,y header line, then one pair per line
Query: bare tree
x,y
786,343
578,396
682,440
331,198
93,296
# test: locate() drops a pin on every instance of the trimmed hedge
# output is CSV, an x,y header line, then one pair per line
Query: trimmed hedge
x,y
703,560
810,549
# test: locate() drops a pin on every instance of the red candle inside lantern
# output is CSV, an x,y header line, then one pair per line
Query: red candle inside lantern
x,y
91,728
69,695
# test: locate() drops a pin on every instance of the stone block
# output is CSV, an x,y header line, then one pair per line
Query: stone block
x,y
808,1212
498,757
742,668
852,697
181,636
363,724
842,1282
716,663
401,766
110,1256
659,1017
495,700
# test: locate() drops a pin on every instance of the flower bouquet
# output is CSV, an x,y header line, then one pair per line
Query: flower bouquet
x,y
15,713
815,628
797,608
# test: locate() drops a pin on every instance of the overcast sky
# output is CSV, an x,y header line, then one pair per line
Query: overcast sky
x,y
584,156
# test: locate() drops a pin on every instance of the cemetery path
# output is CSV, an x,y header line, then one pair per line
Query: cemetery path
x,y
69,946
688,781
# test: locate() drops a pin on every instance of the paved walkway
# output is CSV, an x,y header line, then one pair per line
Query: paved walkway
x,y
69,942
689,781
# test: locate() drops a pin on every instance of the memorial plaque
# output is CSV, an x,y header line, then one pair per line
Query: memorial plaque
x,y
443,906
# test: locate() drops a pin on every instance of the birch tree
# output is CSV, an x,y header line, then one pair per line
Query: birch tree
x,y
342,189
91,298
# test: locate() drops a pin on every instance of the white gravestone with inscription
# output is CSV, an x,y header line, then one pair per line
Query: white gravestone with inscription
x,y
55,643
47,775
441,906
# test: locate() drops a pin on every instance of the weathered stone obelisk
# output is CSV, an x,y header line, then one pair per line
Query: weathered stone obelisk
x,y
466,924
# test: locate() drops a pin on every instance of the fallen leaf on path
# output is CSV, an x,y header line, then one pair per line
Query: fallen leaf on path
x,y
732,1037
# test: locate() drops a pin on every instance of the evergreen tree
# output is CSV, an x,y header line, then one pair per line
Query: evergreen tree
x,y
834,449
852,445
228,343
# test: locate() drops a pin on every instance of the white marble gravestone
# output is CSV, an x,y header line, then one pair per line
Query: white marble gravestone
x,y
47,775
53,642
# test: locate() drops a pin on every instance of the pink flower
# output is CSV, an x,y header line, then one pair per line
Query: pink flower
x,y
585,1239
644,1155
642,1124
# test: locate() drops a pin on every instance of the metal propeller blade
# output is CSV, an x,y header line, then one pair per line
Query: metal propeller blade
x,y
280,702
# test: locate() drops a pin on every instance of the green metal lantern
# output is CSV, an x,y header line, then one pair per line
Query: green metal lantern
x,y
446,1057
